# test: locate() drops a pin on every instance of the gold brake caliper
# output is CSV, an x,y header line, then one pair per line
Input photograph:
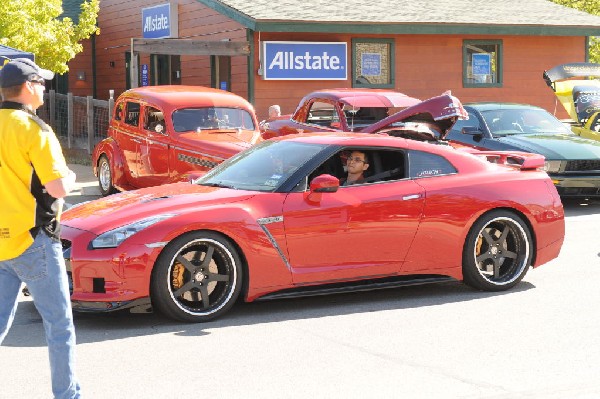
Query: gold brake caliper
x,y
177,275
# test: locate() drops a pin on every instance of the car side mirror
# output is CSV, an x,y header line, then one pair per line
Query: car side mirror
x,y
471,130
322,184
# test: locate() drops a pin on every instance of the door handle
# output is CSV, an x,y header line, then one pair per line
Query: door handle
x,y
411,197
137,140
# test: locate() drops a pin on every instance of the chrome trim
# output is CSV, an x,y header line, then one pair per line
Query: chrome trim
x,y
157,244
196,152
275,219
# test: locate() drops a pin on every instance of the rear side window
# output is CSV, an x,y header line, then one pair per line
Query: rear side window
x,y
132,113
424,164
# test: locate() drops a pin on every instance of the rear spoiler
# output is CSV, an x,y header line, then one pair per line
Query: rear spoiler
x,y
566,71
521,160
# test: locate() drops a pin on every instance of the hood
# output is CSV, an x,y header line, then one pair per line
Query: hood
x,y
439,112
222,143
119,209
554,146
580,97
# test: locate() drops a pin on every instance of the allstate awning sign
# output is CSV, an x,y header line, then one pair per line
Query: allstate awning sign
x,y
160,21
305,61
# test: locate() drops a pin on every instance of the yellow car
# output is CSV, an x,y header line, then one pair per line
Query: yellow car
x,y
577,87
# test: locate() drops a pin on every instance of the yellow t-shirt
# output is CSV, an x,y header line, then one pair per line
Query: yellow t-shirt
x,y
30,157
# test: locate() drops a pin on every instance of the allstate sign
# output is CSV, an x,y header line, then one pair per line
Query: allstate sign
x,y
305,61
159,21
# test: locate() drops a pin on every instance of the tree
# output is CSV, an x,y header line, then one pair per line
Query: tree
x,y
591,7
36,26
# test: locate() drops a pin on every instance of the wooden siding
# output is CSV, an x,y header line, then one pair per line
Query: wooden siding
x,y
121,20
428,65
425,65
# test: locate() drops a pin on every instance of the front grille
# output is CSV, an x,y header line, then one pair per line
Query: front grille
x,y
583,165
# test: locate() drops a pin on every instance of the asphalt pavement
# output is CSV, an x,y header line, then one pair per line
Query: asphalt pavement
x,y
86,184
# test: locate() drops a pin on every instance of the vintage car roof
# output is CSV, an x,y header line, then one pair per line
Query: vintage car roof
x,y
177,96
365,97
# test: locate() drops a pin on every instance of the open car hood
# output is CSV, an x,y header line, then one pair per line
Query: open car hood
x,y
429,120
581,96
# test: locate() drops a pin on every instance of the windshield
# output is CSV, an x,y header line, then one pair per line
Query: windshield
x,y
193,119
504,122
264,167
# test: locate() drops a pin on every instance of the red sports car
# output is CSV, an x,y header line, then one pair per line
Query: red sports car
x,y
274,222
165,134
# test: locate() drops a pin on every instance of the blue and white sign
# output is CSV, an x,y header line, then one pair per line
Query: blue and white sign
x,y
481,63
145,75
370,64
160,21
305,61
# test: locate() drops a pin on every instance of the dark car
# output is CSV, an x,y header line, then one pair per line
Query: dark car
x,y
572,162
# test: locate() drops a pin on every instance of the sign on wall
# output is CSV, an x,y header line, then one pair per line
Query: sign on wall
x,y
481,64
160,21
145,75
305,61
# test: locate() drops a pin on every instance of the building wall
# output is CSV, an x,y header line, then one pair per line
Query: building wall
x,y
425,65
428,65
121,20
81,63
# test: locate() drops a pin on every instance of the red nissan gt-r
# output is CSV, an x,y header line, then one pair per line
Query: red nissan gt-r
x,y
273,221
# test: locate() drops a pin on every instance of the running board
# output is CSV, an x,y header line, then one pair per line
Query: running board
x,y
354,286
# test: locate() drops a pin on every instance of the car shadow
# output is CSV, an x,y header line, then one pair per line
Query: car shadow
x,y
581,207
27,329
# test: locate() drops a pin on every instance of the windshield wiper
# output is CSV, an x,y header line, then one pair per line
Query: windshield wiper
x,y
219,184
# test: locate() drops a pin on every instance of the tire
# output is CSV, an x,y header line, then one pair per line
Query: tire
x,y
197,278
498,252
105,178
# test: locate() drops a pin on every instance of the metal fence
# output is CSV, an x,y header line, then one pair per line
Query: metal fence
x,y
79,122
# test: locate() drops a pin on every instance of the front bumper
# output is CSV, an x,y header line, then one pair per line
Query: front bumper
x,y
577,185
105,280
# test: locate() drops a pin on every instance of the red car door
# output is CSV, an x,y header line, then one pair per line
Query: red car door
x,y
153,167
357,231
129,140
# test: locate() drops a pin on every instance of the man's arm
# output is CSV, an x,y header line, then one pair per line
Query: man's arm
x,y
60,188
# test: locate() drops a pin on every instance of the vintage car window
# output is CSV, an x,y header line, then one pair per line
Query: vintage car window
x,y
265,167
505,122
322,113
360,117
193,119
119,110
132,113
154,120
424,164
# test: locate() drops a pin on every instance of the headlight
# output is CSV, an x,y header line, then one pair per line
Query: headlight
x,y
552,166
114,238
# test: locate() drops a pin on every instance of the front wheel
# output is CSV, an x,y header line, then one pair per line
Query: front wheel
x,y
197,278
498,252
105,180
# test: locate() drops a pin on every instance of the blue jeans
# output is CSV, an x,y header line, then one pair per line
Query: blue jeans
x,y
42,268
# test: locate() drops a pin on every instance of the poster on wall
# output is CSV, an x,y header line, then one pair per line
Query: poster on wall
x,y
304,61
145,75
481,64
370,64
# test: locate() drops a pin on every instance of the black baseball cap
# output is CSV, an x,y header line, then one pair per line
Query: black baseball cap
x,y
20,70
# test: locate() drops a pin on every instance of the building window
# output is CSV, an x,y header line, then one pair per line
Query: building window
x,y
482,63
373,63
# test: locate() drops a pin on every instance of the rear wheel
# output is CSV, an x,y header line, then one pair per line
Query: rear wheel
x,y
197,278
498,252
105,179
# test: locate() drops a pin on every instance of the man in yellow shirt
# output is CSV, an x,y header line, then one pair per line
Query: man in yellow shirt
x,y
34,178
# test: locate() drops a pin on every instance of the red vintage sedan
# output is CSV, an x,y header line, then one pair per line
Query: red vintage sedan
x,y
165,134
331,110
275,222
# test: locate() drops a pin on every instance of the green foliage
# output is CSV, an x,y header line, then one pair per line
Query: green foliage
x,y
591,7
35,26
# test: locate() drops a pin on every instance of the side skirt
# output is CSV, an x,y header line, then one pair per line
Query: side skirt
x,y
354,286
